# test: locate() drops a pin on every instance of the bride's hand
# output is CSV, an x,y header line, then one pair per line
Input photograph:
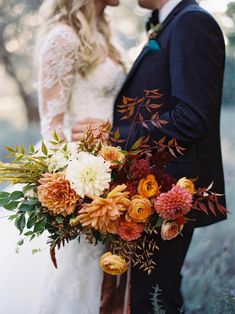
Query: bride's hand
x,y
81,127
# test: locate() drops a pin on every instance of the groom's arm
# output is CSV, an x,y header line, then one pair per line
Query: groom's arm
x,y
196,68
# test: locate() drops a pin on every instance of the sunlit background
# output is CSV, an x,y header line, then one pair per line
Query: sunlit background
x,y
209,284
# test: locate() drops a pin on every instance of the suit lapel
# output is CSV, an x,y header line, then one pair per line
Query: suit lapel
x,y
168,20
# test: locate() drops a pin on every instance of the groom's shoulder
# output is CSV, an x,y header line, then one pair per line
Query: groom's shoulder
x,y
195,17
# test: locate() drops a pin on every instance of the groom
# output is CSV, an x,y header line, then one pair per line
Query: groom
x,y
188,69
187,65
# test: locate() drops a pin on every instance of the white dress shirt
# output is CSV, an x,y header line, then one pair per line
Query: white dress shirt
x,y
167,9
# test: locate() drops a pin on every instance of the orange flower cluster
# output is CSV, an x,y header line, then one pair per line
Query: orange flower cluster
x,y
55,193
103,214
129,231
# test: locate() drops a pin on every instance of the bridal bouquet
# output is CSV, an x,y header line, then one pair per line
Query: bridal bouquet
x,y
108,195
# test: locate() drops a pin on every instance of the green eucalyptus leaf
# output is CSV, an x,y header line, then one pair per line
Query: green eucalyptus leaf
x,y
11,206
32,237
21,242
31,222
4,201
4,194
25,207
13,217
59,219
28,234
16,195
40,225
31,201
20,223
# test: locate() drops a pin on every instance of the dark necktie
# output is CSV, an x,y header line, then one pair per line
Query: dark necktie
x,y
153,20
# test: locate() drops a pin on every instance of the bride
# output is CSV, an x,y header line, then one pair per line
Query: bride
x,y
80,73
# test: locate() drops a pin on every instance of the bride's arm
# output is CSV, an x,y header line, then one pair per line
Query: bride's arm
x,y
57,67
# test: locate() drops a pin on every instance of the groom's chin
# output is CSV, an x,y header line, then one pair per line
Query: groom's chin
x,y
147,4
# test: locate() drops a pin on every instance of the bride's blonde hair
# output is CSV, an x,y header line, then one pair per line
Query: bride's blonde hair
x,y
81,16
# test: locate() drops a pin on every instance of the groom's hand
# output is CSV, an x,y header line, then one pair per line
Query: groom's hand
x,y
81,127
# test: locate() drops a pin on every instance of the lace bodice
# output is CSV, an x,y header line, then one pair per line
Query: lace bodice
x,y
65,97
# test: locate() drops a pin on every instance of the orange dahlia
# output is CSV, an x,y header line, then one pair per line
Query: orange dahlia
x,y
173,204
129,231
55,193
103,214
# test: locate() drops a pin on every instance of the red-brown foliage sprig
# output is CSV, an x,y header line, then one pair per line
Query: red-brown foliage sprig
x,y
93,139
208,201
133,109
172,146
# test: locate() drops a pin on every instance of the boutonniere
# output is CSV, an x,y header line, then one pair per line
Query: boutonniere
x,y
153,34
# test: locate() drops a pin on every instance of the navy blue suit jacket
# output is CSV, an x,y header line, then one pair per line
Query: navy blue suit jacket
x,y
188,69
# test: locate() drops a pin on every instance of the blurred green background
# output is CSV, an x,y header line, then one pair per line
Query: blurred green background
x,y
209,283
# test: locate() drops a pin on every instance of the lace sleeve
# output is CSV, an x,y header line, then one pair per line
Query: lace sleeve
x,y
57,67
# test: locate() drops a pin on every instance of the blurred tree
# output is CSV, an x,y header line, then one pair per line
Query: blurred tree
x,y
18,24
230,32
18,20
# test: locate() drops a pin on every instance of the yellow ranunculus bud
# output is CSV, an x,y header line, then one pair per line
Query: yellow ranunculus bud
x,y
148,186
113,264
187,184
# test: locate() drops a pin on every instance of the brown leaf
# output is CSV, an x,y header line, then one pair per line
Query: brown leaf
x,y
121,110
138,101
211,207
203,207
124,100
145,125
163,121
155,106
141,117
172,152
53,256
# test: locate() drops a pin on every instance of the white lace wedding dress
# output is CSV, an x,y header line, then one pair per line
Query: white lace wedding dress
x,y
30,284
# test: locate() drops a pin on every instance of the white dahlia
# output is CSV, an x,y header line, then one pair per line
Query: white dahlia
x,y
88,174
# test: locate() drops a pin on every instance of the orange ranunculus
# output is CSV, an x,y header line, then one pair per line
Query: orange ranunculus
x,y
187,184
170,230
113,264
140,209
148,187
112,154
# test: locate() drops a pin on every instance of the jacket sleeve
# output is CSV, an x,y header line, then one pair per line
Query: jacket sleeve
x,y
196,63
